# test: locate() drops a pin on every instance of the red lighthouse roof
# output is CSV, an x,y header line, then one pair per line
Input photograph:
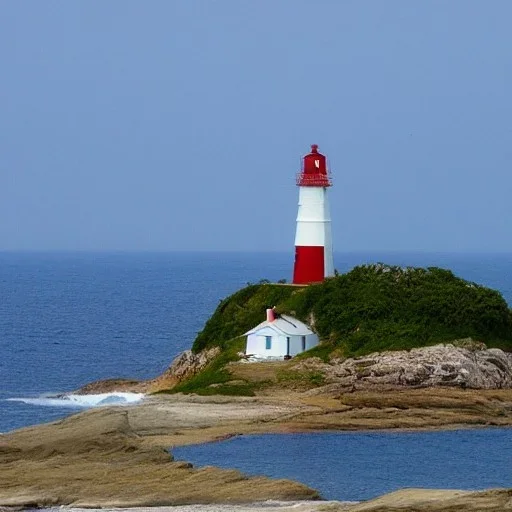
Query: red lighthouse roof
x,y
314,171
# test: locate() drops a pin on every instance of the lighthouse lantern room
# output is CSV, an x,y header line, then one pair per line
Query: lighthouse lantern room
x,y
313,240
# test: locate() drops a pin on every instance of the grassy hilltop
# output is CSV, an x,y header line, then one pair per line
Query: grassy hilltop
x,y
371,308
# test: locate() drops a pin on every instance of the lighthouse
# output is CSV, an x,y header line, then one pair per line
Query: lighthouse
x,y
313,240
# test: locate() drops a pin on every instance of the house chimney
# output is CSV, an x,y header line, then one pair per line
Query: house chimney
x,y
270,315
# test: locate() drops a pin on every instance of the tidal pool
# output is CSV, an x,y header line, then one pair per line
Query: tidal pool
x,y
362,465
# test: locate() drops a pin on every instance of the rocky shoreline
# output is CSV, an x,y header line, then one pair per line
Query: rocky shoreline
x,y
473,366
407,500
118,457
464,364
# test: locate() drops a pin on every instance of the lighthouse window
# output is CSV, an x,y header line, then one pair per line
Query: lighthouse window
x,y
268,342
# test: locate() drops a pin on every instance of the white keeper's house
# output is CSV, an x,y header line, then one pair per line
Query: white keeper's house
x,y
279,336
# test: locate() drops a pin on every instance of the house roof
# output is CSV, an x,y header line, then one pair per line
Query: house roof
x,y
284,324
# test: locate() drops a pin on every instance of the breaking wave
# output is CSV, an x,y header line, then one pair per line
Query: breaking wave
x,y
82,401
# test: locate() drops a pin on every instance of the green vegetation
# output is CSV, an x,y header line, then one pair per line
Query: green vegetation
x,y
371,308
324,351
215,378
241,312
305,379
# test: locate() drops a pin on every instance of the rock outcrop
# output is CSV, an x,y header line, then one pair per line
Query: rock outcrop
x,y
99,459
440,365
185,365
434,500
113,385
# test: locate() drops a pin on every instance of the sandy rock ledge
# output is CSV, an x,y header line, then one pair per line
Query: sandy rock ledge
x,y
443,365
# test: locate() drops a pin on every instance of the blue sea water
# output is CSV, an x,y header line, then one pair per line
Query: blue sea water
x,y
67,319
70,318
363,465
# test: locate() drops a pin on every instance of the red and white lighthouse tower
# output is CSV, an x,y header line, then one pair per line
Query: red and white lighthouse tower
x,y
313,240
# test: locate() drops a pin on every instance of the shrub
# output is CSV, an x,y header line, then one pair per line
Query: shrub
x,y
372,308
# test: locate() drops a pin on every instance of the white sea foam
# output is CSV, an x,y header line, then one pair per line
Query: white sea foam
x,y
83,401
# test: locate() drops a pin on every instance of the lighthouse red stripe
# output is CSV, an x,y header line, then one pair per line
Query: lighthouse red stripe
x,y
309,264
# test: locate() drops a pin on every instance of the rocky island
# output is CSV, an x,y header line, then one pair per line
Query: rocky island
x,y
401,349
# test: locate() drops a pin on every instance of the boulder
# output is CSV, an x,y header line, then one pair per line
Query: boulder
x,y
185,365
439,365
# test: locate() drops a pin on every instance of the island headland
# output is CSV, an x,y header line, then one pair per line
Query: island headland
x,y
401,348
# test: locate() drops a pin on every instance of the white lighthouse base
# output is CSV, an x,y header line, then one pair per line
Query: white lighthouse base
x,y
313,240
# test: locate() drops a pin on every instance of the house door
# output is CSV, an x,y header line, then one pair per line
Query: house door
x,y
288,345
303,343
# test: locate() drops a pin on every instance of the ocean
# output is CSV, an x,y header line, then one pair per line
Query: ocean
x,y
354,466
67,319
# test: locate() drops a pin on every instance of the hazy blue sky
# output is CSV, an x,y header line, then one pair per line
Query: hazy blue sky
x,y
175,125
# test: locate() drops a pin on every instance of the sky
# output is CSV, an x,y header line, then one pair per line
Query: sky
x,y
179,125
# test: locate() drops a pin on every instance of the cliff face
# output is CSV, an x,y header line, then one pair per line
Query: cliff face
x,y
184,366
438,365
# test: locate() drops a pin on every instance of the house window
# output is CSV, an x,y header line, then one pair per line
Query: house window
x,y
303,343
268,342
